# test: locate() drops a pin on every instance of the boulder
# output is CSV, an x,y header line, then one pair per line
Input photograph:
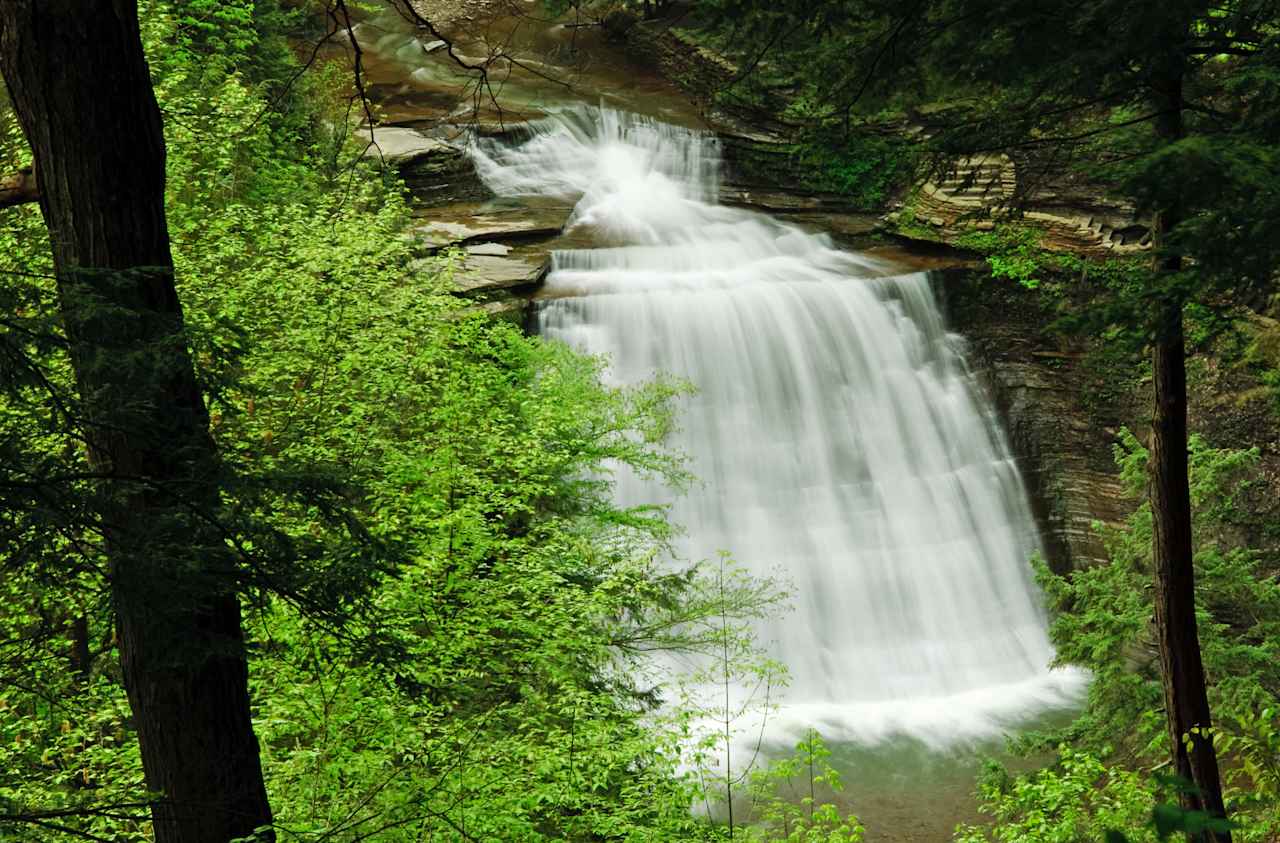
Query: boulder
x,y
478,275
466,223
400,146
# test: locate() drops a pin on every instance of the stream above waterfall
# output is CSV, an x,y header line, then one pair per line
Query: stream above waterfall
x,y
537,65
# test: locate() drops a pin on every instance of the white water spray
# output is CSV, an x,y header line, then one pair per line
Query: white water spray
x,y
837,430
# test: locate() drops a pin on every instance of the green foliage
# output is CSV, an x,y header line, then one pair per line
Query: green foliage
x,y
785,801
65,744
1254,741
62,735
1102,617
1012,251
864,168
867,168
714,701
1261,354
1111,286
1168,819
450,622
1035,80
861,162
1173,819
522,622
1082,798
909,225
1078,798
212,39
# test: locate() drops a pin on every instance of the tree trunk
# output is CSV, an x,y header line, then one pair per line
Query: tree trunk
x,y
79,82
79,659
1185,697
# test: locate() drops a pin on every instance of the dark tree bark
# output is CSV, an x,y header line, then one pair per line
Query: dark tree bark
x,y
79,82
1185,696
80,660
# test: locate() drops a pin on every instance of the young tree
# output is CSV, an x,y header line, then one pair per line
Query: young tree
x,y
79,82
1175,104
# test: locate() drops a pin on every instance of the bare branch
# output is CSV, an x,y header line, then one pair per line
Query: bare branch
x,y
483,83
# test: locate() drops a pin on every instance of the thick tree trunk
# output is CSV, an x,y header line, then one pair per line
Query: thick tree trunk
x,y
1185,696
80,85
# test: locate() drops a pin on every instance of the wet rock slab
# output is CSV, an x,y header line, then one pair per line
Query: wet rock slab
x,y
839,225
504,248
478,274
435,171
400,146
498,250
475,222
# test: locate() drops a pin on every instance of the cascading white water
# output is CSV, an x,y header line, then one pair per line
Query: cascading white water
x,y
836,429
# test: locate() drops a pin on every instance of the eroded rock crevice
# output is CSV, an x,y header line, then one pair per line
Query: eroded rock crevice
x,y
1037,380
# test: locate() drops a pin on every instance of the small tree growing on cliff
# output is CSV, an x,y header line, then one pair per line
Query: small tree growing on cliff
x,y
1177,104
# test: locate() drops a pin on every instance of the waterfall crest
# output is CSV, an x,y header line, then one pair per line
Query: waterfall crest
x,y
836,428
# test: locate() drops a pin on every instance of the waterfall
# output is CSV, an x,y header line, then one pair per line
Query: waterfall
x,y
836,429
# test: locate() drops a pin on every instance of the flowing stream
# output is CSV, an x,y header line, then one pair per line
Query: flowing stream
x,y
838,434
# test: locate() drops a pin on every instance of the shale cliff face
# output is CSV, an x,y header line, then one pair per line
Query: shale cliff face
x,y
1061,417
1064,399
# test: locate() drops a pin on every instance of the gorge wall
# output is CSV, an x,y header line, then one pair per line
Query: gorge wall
x,y
1061,414
1063,399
